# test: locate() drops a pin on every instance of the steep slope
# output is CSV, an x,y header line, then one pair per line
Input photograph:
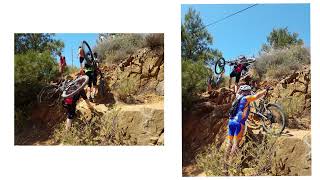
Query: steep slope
x,y
206,126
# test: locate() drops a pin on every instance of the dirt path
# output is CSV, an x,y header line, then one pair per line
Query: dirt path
x,y
296,133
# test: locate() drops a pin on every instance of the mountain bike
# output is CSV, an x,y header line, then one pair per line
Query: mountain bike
x,y
220,64
52,94
268,115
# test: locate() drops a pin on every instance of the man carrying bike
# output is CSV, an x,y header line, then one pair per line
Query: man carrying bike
x,y
70,104
238,117
236,72
89,69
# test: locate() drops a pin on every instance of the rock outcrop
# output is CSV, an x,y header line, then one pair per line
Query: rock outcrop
x,y
293,154
147,66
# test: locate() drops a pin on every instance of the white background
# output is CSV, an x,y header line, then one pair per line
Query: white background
x,y
123,162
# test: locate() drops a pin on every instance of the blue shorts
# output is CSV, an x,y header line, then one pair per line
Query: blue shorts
x,y
235,129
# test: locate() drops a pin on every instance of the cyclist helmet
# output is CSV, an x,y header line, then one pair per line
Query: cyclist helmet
x,y
245,88
241,57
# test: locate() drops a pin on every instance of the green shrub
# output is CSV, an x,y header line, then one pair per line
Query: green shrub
x,y
194,80
154,40
127,87
279,63
118,46
31,71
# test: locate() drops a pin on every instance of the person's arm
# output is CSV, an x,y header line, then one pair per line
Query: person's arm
x,y
256,96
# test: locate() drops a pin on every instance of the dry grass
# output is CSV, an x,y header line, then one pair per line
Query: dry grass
x,y
127,87
255,158
97,130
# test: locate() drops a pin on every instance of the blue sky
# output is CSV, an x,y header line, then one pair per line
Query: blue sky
x,y
244,33
73,41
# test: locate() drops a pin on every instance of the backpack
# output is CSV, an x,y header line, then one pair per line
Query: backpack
x,y
239,68
234,107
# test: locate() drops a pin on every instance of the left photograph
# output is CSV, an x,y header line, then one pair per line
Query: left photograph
x,y
89,89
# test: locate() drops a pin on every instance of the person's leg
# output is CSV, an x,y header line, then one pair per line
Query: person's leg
x,y
70,115
238,138
227,154
240,135
61,71
236,87
68,124
232,74
228,148
230,137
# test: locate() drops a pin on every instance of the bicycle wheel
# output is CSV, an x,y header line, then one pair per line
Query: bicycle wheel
x,y
274,119
87,51
219,66
75,86
49,95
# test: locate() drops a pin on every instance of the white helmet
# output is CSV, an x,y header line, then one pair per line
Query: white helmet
x,y
245,88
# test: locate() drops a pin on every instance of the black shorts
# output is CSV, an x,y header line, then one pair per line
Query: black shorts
x,y
92,78
71,110
81,59
235,74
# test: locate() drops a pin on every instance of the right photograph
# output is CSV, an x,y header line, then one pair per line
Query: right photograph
x,y
246,90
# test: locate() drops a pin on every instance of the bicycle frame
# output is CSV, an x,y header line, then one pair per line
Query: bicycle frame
x,y
261,108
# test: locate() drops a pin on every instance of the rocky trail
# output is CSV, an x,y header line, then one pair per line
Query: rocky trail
x,y
206,124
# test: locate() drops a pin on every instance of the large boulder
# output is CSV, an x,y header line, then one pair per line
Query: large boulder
x,y
141,124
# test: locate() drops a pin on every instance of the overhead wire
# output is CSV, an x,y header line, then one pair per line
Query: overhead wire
x,y
219,20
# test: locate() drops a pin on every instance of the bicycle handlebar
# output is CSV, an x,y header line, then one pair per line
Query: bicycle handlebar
x,y
247,60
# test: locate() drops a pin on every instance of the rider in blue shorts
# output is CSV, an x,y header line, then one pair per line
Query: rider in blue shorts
x,y
237,122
